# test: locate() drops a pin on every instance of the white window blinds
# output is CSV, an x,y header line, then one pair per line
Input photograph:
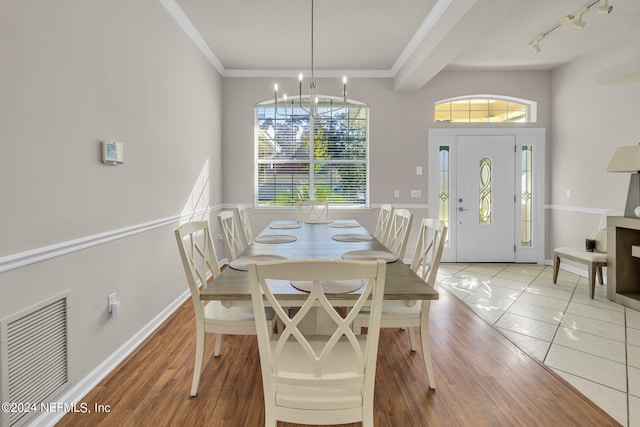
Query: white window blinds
x,y
312,158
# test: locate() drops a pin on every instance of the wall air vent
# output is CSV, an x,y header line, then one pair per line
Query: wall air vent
x,y
34,359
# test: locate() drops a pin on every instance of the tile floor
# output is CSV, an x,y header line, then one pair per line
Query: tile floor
x,y
592,344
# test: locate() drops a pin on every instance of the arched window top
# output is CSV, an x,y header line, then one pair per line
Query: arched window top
x,y
485,109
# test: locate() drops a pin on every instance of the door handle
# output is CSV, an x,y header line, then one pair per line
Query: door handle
x,y
460,209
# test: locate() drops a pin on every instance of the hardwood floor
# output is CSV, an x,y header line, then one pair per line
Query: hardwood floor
x,y
482,379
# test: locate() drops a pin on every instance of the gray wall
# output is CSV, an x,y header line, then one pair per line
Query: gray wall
x,y
589,121
72,74
75,73
399,125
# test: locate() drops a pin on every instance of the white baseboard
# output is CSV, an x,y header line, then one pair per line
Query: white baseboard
x,y
84,386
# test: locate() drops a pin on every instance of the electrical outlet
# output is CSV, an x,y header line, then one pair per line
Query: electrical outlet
x,y
416,194
396,193
418,170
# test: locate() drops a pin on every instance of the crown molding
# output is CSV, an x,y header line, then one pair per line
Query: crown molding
x,y
187,26
176,12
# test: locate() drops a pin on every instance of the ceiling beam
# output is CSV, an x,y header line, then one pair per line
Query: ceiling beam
x,y
457,28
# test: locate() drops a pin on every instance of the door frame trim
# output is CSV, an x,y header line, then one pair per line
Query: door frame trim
x,y
524,136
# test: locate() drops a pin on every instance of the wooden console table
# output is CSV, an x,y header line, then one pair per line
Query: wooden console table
x,y
623,261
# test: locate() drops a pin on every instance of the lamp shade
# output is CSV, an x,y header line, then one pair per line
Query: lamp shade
x,y
625,159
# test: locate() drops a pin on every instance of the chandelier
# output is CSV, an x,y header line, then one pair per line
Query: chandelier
x,y
312,108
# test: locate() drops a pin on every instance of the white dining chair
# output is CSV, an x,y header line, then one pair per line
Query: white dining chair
x,y
317,379
384,221
312,210
407,314
201,266
399,230
245,224
234,241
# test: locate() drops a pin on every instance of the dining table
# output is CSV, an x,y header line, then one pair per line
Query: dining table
x,y
338,239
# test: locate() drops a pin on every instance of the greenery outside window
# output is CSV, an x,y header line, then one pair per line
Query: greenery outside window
x,y
312,158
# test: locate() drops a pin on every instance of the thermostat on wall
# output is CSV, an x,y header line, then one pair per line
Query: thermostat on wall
x,y
112,152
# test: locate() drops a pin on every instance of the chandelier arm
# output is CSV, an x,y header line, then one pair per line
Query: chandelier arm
x,y
312,109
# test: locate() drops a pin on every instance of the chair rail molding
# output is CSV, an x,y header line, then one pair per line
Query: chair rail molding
x,y
22,259
596,211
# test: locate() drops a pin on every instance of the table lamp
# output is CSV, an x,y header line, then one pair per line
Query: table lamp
x,y
627,159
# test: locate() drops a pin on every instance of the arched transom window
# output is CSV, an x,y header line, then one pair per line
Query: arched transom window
x,y
485,109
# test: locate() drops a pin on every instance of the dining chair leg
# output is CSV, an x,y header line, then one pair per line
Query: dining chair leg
x,y
424,337
218,347
592,280
556,267
412,338
600,278
367,417
269,419
197,368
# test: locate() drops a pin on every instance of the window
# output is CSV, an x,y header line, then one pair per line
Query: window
x,y
312,158
485,109
485,197
443,185
526,205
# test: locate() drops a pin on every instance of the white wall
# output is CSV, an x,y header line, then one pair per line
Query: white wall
x,y
75,73
589,122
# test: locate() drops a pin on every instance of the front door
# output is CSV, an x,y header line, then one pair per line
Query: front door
x,y
485,198
487,185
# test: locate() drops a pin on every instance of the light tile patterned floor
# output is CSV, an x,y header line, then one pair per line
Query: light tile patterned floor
x,y
592,344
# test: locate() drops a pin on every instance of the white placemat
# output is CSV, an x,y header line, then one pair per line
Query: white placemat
x,y
350,224
352,237
370,255
334,287
276,238
317,221
285,226
242,263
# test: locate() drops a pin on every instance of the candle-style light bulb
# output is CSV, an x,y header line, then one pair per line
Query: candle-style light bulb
x,y
275,95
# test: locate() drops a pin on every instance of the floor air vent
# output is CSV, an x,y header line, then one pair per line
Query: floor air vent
x,y
34,359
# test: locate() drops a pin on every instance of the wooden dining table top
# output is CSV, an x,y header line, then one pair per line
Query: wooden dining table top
x,y
315,241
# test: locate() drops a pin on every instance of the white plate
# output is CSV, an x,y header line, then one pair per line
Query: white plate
x,y
370,255
350,224
242,263
333,287
275,238
352,237
285,226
